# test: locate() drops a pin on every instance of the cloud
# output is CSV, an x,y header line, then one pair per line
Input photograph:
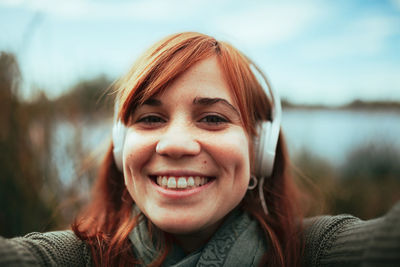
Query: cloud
x,y
262,23
319,60
151,10
377,81
270,23
396,4
358,37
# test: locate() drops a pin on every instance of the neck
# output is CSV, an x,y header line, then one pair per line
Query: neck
x,y
192,241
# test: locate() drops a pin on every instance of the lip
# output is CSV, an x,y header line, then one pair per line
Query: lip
x,y
180,173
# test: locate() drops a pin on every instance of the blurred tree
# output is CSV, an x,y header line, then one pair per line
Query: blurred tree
x,y
373,161
370,180
86,99
23,208
366,186
318,179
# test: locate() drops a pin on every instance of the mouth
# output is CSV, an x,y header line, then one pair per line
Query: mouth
x,y
181,182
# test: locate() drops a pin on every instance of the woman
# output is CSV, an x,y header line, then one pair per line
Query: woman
x,y
197,175
190,106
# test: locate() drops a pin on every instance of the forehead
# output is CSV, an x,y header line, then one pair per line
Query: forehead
x,y
203,79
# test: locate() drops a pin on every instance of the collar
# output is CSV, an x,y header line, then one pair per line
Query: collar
x,y
238,242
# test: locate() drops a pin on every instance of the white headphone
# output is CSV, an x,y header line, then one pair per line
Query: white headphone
x,y
268,131
265,143
118,138
267,139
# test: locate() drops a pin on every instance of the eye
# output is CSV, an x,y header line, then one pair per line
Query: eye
x,y
214,120
150,120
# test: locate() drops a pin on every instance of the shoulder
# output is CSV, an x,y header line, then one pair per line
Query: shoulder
x,y
348,241
60,248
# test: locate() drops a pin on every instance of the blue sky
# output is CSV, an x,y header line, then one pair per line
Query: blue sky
x,y
329,52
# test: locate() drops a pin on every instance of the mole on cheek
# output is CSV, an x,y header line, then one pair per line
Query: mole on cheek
x,y
205,162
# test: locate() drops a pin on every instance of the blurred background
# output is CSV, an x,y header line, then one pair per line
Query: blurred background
x,y
336,65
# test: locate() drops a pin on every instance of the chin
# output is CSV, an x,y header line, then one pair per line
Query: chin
x,y
181,224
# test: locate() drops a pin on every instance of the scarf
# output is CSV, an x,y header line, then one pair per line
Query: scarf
x,y
239,241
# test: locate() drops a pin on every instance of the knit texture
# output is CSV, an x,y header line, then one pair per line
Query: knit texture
x,y
348,241
238,242
330,241
60,248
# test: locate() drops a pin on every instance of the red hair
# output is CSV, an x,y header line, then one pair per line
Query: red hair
x,y
107,222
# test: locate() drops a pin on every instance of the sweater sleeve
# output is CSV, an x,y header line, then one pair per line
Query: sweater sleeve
x,y
348,241
60,248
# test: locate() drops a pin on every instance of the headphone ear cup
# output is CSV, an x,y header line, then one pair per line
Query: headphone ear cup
x,y
118,138
268,131
264,160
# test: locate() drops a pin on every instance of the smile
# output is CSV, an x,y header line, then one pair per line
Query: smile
x,y
181,182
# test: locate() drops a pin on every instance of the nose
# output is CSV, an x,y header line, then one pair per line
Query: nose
x,y
178,142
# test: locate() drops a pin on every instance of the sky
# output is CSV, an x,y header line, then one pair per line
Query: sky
x,y
314,52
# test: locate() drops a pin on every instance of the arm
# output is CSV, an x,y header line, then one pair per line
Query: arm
x,y
348,241
60,248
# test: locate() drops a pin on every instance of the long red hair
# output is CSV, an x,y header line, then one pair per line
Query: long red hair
x,y
107,221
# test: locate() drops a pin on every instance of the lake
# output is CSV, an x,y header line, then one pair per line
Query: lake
x,y
332,134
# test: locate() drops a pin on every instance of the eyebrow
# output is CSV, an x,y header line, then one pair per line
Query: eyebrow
x,y
206,101
153,102
203,101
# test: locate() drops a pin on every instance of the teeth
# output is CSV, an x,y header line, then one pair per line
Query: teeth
x,y
164,181
171,182
190,181
181,182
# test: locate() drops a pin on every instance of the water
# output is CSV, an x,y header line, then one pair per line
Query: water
x,y
72,143
332,134
329,134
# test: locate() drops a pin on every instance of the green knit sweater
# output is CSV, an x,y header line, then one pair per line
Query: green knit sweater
x,y
330,241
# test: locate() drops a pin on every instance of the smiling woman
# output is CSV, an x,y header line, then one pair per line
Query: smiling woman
x,y
188,140
196,131
186,125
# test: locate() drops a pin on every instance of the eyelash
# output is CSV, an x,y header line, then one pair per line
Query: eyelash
x,y
209,120
214,120
151,119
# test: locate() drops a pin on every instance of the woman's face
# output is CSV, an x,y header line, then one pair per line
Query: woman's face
x,y
186,153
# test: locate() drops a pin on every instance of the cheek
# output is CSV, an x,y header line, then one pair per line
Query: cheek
x,y
136,152
232,156
231,152
237,148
